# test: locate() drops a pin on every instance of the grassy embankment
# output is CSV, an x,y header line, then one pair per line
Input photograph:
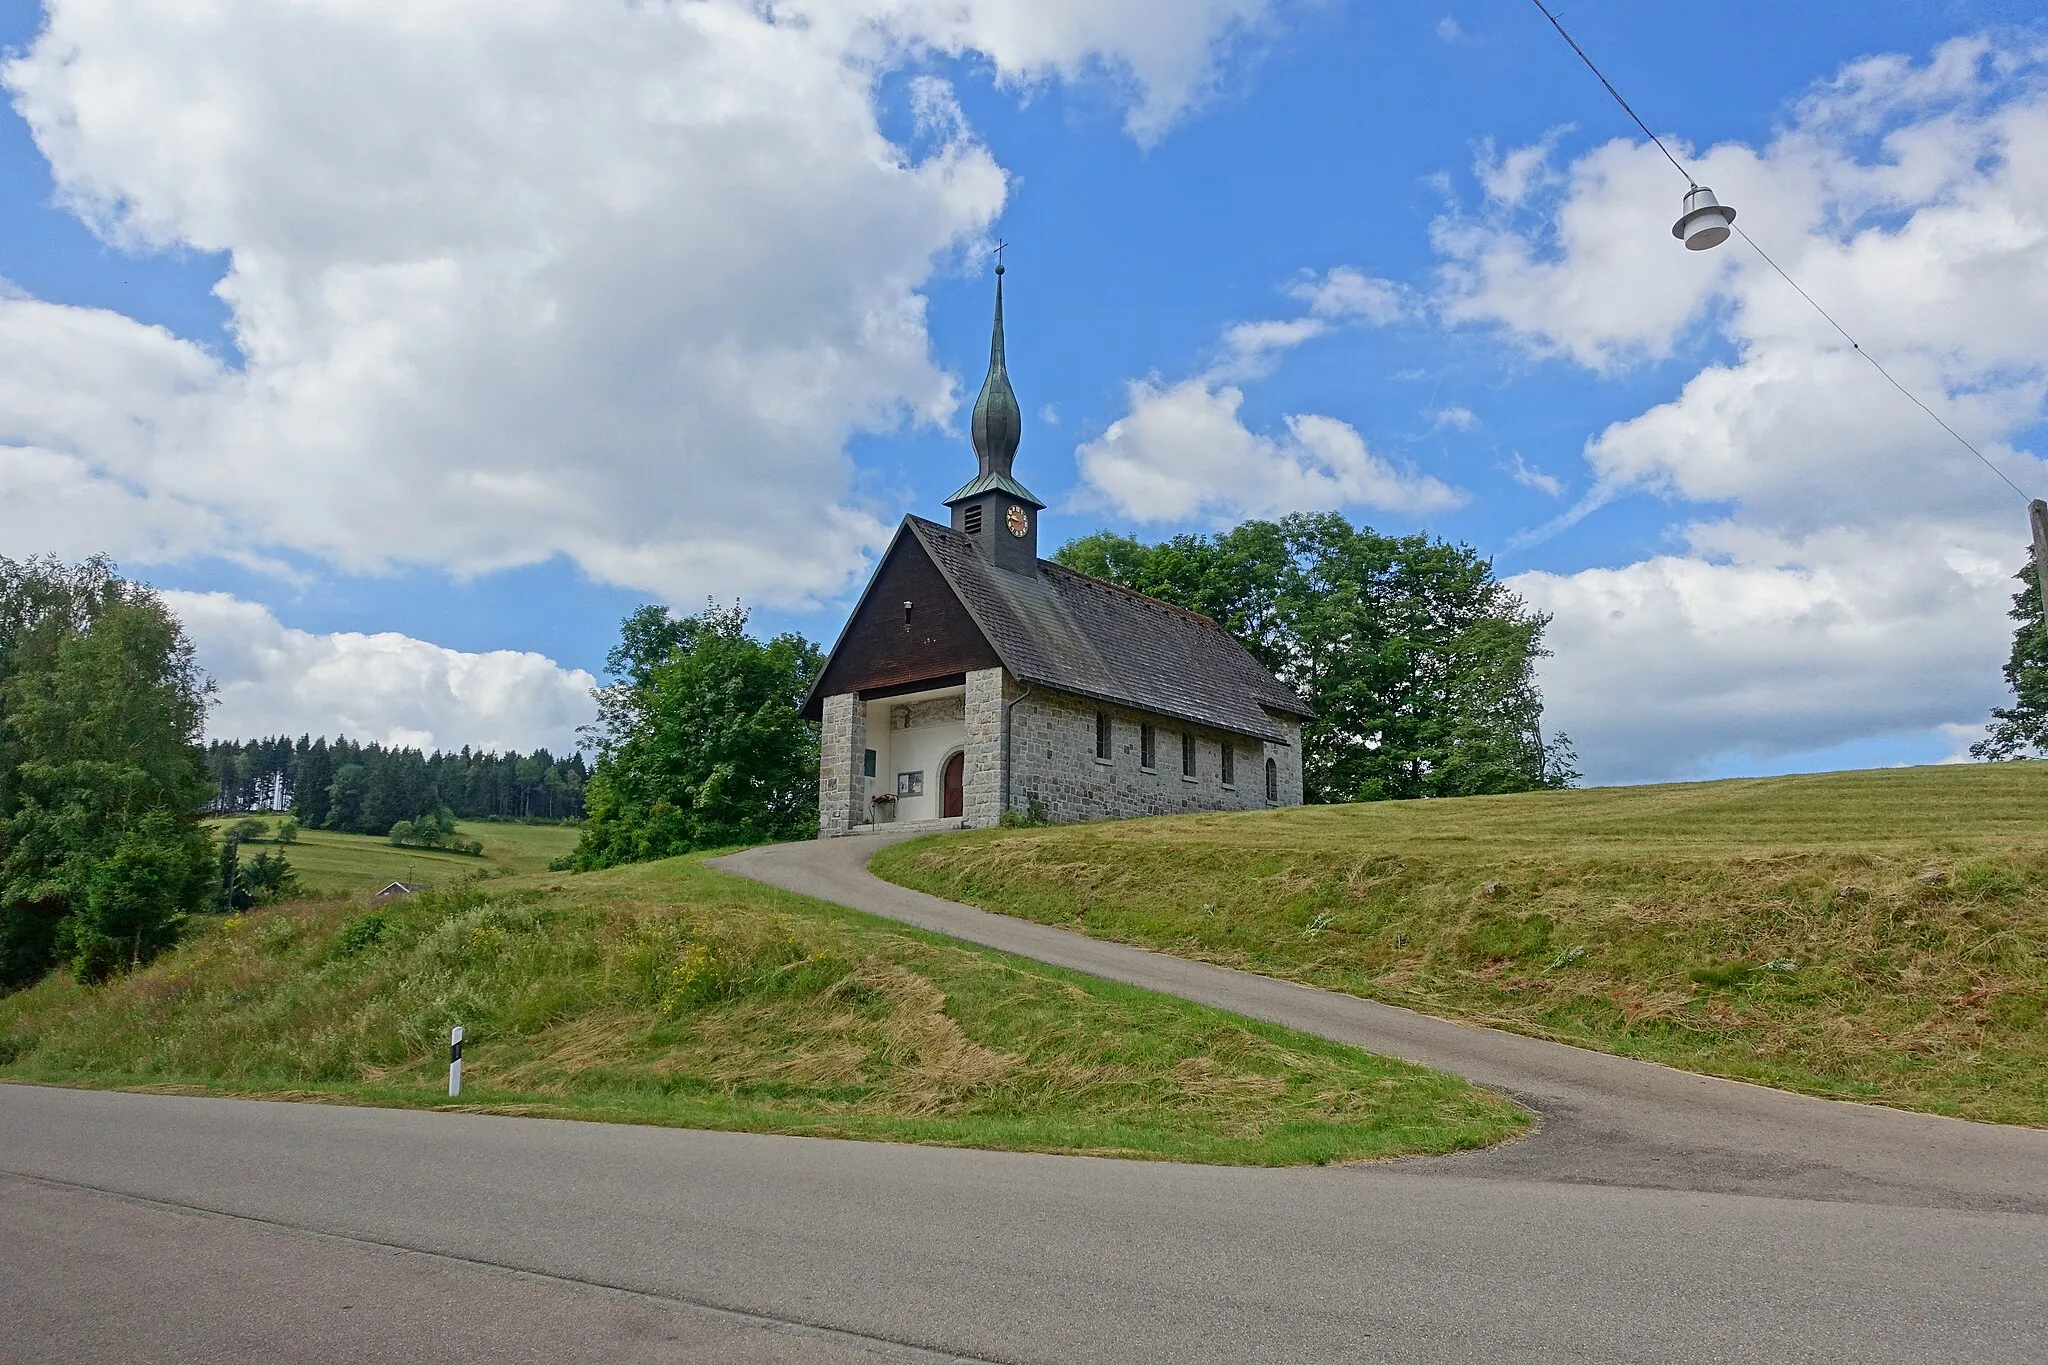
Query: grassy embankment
x,y
340,864
672,994
1879,936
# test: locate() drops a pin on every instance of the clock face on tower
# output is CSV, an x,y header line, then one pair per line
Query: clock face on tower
x,y
1018,521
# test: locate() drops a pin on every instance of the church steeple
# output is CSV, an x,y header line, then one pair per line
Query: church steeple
x,y
995,511
998,425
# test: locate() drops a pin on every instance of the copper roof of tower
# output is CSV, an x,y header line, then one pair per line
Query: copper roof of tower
x,y
998,423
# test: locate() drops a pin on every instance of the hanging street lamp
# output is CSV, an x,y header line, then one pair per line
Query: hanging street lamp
x,y
1707,221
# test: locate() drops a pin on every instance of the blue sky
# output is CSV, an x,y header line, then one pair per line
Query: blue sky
x,y
1150,211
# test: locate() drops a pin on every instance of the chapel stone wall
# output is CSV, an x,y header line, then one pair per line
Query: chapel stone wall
x,y
1054,768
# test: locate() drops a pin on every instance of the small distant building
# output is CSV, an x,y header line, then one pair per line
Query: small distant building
x,y
397,889
975,678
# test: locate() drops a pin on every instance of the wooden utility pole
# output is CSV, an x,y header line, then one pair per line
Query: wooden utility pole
x,y
2039,512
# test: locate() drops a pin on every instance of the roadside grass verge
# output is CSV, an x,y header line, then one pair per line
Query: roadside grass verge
x,y
1880,936
331,864
668,993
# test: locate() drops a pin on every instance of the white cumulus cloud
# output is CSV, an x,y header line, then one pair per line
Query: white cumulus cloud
x,y
1183,452
1346,293
512,279
1844,565
1529,476
1662,664
1342,297
1165,52
387,688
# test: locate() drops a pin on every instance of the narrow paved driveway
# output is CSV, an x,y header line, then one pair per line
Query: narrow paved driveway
x,y
1606,1120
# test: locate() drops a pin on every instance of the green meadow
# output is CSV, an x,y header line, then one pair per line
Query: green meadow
x,y
667,993
1880,936
330,864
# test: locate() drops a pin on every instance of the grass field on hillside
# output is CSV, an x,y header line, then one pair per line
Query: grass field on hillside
x,y
343,864
1879,935
669,993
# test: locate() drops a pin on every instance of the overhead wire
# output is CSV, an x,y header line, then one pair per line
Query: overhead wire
x,y
1783,274
1601,76
1877,365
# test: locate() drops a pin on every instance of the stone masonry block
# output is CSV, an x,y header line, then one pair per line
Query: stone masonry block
x,y
842,741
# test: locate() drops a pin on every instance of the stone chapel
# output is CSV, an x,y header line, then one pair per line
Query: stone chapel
x,y
975,678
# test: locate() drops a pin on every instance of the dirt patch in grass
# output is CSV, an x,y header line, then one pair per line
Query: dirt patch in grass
x,y
1880,936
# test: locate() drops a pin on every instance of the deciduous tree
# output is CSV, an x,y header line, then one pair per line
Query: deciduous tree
x,y
1419,663
101,776
700,744
2021,730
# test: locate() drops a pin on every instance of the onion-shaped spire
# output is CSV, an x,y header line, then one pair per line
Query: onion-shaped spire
x,y
998,424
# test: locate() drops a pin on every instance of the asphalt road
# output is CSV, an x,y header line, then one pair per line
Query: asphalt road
x,y
371,1235
1656,1217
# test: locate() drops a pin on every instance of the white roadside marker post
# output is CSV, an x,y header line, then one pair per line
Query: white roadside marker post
x,y
455,1061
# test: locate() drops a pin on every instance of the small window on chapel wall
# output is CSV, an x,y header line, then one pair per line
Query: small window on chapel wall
x,y
1229,765
973,520
867,764
1103,736
1187,753
1272,781
1148,747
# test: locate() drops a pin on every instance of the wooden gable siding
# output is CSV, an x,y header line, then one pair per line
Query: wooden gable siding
x,y
880,651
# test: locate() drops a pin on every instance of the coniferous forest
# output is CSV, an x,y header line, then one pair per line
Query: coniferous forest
x,y
367,788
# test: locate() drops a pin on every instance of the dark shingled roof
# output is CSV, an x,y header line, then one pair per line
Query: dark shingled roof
x,y
1073,633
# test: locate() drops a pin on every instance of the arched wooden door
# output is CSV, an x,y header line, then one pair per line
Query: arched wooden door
x,y
954,788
